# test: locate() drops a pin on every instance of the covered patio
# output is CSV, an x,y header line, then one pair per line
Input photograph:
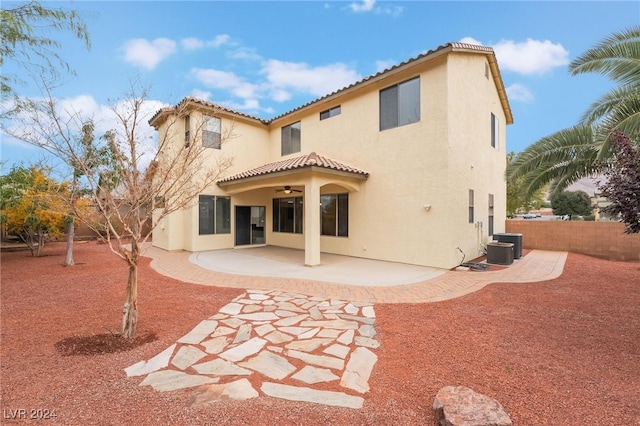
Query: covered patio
x,y
305,176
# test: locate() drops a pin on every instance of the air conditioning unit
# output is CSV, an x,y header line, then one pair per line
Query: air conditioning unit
x,y
500,253
515,239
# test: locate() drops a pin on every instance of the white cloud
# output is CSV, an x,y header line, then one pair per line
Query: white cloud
x,y
145,135
281,82
517,92
192,43
83,105
79,109
370,6
201,94
365,6
247,105
246,53
216,79
383,65
148,54
301,77
470,40
529,57
280,95
219,40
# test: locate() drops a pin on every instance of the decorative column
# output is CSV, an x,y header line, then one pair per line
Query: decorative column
x,y
312,222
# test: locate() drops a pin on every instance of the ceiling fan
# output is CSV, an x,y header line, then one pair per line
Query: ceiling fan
x,y
287,190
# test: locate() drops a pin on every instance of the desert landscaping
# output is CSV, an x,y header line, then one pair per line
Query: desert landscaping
x,y
563,352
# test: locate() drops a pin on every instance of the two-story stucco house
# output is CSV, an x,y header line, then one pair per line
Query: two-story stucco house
x,y
406,165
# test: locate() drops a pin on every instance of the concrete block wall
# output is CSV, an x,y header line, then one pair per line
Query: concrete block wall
x,y
605,240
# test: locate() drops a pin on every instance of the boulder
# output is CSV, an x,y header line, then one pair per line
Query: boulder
x,y
461,406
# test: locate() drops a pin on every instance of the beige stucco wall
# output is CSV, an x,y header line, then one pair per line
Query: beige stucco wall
x,y
434,161
474,164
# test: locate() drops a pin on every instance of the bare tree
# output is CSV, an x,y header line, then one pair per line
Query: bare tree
x,y
144,181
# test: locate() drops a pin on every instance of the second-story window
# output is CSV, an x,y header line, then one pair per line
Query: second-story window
x,y
187,131
211,135
332,112
400,104
290,138
494,131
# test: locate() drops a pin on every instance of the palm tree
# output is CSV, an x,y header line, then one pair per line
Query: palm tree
x,y
562,158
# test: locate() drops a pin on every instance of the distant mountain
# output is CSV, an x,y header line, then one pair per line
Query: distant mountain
x,y
587,185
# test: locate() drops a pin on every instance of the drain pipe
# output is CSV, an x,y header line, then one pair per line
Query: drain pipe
x,y
479,234
463,255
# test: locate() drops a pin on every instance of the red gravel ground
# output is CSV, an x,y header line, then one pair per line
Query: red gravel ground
x,y
563,352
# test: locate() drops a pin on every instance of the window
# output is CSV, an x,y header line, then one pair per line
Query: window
x,y
214,215
490,214
290,139
471,219
159,202
187,131
330,113
494,131
334,215
400,104
287,215
211,136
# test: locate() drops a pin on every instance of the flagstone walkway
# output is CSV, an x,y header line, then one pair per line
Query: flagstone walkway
x,y
289,342
299,339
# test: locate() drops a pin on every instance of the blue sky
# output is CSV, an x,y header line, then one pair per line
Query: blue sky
x,y
265,58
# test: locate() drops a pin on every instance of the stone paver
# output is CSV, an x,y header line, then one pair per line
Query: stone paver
x,y
295,393
356,375
156,363
311,375
187,356
269,364
201,331
238,390
168,380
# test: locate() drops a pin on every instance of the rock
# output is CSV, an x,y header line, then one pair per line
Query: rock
x,y
295,393
358,370
459,405
154,364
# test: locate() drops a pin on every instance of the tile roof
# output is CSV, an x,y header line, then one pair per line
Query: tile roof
x,y
454,46
189,99
308,160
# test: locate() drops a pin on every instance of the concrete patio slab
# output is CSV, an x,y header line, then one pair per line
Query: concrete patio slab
x,y
289,263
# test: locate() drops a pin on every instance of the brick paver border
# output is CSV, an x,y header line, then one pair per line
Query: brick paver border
x,y
537,265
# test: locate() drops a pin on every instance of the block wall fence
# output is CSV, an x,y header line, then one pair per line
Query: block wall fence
x,y
605,240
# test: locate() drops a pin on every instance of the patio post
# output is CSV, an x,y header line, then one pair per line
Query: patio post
x,y
312,222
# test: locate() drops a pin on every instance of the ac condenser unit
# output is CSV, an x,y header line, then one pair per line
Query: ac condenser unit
x,y
500,253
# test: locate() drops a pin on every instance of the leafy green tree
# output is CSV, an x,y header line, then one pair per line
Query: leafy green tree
x,y
25,40
622,184
517,198
91,157
32,206
562,158
572,203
